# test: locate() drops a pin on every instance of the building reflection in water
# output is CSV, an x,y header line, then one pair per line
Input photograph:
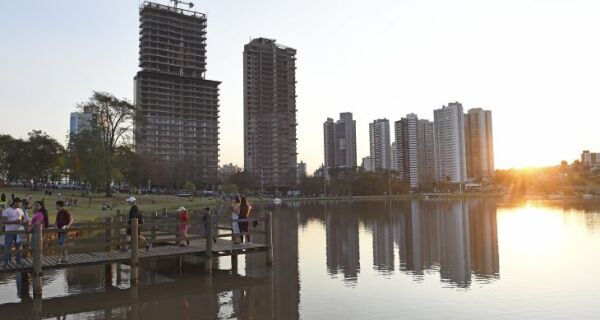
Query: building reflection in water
x,y
342,228
458,239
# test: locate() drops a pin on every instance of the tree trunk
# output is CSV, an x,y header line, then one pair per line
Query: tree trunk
x,y
108,189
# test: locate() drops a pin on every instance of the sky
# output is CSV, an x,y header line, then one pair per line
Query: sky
x,y
534,63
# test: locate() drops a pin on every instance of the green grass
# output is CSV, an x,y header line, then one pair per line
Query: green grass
x,y
90,206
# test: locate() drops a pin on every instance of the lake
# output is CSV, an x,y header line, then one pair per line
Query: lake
x,y
451,259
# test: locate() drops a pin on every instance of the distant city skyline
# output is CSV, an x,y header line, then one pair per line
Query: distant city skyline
x,y
486,54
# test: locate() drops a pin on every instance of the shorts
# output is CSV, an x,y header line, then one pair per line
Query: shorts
x,y
62,237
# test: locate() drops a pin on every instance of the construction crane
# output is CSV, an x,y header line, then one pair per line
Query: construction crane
x,y
176,2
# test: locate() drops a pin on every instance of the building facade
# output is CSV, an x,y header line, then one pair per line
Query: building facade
x,y
367,164
339,141
270,113
379,138
80,121
414,149
590,159
479,139
177,109
301,171
449,144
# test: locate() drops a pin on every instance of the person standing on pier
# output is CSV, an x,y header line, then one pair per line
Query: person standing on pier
x,y
245,209
13,219
134,213
40,215
235,216
64,220
184,224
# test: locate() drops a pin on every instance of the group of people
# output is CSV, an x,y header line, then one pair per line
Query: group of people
x,y
16,221
15,217
240,210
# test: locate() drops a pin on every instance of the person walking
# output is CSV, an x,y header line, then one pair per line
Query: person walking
x,y
64,220
184,224
245,210
134,213
235,216
13,219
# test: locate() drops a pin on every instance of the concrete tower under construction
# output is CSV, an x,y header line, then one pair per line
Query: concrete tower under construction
x,y
177,108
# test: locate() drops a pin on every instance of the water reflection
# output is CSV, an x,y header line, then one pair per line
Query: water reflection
x,y
458,239
405,246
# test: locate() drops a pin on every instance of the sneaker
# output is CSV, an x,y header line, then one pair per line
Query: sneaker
x,y
182,245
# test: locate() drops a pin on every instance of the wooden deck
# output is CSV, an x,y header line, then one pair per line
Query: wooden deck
x,y
198,247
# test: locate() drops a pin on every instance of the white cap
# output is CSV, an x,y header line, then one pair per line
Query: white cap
x,y
130,199
181,209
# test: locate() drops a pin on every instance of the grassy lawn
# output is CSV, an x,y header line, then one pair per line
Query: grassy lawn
x,y
90,207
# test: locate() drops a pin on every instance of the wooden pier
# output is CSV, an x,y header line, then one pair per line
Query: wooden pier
x,y
105,243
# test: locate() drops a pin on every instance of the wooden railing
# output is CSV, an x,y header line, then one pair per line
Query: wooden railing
x,y
110,236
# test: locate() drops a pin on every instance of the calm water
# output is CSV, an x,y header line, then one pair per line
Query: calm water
x,y
362,260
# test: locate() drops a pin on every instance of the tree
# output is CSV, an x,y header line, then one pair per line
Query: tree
x,y
230,188
245,181
114,120
43,155
87,158
189,186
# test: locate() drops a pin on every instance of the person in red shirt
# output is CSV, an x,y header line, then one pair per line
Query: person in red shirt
x,y
64,220
184,224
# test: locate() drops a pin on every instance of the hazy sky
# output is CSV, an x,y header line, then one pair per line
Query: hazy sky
x,y
534,63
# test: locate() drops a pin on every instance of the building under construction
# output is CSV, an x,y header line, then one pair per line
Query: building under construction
x,y
177,109
270,113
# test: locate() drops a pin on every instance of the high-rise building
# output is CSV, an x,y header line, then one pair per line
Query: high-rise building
x,y
590,159
340,142
414,150
177,109
425,140
449,141
301,171
379,137
329,145
479,139
395,161
270,112
80,121
367,165
401,135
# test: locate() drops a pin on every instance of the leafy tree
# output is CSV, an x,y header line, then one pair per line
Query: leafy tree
x,y
189,186
43,156
87,159
113,121
245,181
230,188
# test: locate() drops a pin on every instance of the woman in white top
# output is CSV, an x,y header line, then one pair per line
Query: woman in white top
x,y
235,215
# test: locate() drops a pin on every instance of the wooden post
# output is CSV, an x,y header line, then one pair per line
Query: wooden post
x,y
269,238
153,230
208,261
108,239
234,262
37,260
134,252
119,231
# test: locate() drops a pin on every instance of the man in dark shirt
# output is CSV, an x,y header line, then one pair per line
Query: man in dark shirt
x,y
134,213
64,220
